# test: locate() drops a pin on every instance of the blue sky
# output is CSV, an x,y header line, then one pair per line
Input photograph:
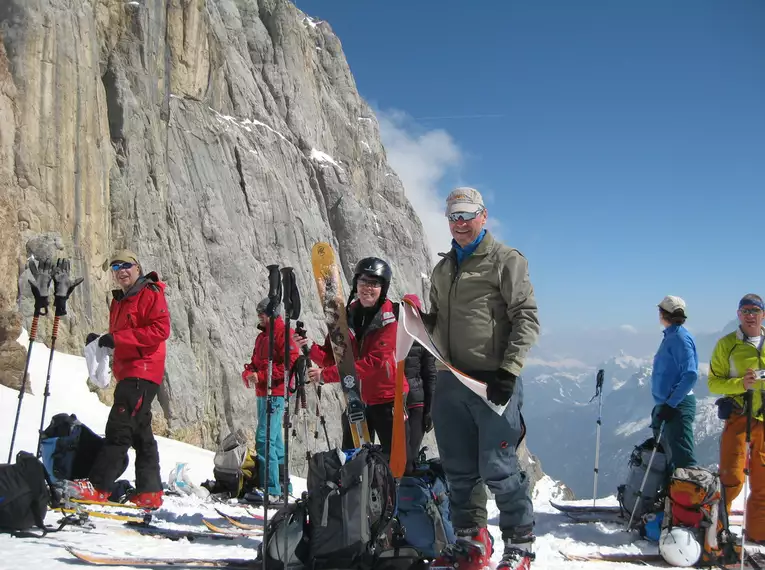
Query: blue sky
x,y
621,144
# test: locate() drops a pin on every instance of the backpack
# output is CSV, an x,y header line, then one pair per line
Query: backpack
x,y
423,510
288,523
655,485
694,501
24,494
235,468
351,504
69,448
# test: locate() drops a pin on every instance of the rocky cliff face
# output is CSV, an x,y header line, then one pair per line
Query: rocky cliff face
x,y
212,137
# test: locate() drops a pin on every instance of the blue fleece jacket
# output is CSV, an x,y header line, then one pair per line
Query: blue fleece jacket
x,y
463,252
675,367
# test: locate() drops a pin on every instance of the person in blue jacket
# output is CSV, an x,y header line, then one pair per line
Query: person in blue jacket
x,y
675,372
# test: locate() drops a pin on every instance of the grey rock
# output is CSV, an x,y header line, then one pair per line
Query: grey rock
x,y
212,137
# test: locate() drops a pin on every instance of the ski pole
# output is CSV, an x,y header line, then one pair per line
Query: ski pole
x,y
599,396
47,384
747,465
274,292
291,309
645,477
63,287
40,288
300,331
320,415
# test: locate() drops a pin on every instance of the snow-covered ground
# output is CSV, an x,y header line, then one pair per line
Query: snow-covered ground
x,y
69,393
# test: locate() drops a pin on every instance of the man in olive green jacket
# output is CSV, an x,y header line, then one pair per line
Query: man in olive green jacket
x,y
484,321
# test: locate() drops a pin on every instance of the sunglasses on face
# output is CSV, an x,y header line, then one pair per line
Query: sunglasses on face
x,y
750,311
466,216
369,283
126,265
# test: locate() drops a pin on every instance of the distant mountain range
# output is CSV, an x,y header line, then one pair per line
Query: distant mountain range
x,y
561,412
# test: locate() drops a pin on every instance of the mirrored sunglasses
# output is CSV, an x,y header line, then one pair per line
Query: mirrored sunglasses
x,y
125,265
466,216
754,311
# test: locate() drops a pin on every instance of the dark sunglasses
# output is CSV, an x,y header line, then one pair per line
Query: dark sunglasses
x,y
126,265
466,216
750,311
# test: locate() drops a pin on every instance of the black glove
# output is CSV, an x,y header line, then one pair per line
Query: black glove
x,y
90,338
40,284
63,285
499,390
666,413
106,340
427,421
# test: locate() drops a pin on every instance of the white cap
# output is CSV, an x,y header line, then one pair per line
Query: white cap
x,y
673,305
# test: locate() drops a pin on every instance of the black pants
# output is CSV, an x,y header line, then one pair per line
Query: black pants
x,y
129,425
380,424
416,431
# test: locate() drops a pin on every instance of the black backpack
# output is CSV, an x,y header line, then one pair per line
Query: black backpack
x,y
24,494
69,448
350,508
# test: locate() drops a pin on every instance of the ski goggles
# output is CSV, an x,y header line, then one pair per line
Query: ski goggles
x,y
125,265
466,216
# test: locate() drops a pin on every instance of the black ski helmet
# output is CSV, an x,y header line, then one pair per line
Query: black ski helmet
x,y
373,267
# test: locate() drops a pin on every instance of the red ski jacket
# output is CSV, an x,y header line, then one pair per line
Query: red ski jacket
x,y
259,361
139,321
375,359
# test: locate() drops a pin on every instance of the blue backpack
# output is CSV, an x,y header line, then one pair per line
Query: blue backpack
x,y
423,510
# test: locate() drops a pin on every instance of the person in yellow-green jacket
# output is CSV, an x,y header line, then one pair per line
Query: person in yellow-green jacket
x,y
735,369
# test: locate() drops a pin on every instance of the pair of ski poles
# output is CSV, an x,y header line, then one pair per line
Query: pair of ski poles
x,y
43,273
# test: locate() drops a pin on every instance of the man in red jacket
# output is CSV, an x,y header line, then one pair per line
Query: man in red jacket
x,y
256,375
372,325
139,325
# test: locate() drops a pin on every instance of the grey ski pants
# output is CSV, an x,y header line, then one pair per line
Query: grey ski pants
x,y
478,446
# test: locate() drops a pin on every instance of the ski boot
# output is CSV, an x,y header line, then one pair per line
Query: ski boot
x,y
83,490
147,500
472,551
518,554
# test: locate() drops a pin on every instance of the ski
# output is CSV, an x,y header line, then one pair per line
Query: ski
x,y
231,532
175,534
237,522
753,561
606,509
635,557
102,560
327,276
108,504
103,515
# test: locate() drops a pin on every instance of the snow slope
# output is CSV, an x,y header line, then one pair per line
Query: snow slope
x,y
69,393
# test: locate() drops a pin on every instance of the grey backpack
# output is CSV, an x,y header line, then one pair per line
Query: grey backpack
x,y
351,503
651,500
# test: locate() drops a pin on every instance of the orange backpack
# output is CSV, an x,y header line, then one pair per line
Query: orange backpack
x,y
694,501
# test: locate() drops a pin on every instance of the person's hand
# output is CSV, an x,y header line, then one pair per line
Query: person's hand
x,y
427,422
666,413
301,341
90,338
749,379
500,390
106,340
314,374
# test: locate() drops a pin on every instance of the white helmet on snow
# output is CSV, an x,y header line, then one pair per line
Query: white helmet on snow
x,y
679,546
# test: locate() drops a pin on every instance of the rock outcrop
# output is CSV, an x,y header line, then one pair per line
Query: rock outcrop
x,y
212,137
